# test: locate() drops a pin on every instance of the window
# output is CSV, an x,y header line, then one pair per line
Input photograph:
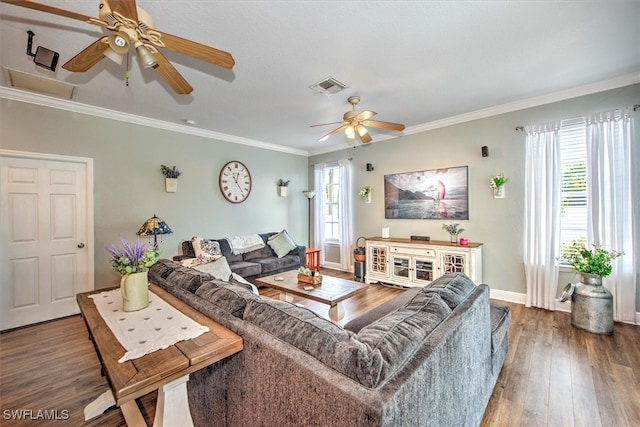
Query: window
x,y
573,185
331,203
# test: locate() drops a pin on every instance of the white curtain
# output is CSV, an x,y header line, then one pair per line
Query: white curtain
x,y
610,202
346,214
318,213
542,214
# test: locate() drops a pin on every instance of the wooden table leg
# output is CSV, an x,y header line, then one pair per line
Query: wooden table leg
x,y
172,407
286,297
99,405
336,312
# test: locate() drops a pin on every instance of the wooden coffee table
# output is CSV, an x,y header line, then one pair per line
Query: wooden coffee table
x,y
331,291
165,370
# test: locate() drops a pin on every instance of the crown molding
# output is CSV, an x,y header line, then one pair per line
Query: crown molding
x,y
618,82
76,107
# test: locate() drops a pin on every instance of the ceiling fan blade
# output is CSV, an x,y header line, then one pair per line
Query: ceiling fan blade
x,y
385,125
56,11
326,124
333,132
365,137
197,50
364,115
169,73
88,57
126,8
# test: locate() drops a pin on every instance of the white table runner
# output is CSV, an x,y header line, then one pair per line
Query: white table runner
x,y
158,326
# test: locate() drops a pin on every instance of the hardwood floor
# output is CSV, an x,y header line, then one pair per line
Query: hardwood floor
x,y
554,374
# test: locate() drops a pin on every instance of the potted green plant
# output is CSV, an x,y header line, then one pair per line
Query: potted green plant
x,y
497,183
282,187
592,264
365,193
133,261
171,175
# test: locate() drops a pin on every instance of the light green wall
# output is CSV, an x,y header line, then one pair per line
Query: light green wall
x,y
129,187
498,223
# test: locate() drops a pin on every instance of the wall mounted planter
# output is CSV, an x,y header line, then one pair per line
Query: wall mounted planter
x,y
171,185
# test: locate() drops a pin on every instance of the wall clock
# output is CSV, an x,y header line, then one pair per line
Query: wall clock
x,y
235,181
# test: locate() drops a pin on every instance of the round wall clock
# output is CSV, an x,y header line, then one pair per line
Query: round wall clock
x,y
235,181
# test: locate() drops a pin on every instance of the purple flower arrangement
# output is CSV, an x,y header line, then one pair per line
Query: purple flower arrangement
x,y
133,257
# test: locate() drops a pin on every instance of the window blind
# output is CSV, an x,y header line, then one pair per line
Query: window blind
x,y
573,187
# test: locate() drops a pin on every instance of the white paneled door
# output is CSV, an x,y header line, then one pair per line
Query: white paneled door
x,y
46,226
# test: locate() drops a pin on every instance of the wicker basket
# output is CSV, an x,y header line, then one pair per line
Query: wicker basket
x,y
313,280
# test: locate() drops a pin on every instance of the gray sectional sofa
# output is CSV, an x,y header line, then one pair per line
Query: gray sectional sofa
x,y
253,264
430,357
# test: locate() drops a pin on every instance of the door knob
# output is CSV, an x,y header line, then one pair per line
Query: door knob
x,y
81,245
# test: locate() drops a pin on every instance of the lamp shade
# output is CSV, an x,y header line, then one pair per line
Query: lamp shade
x,y
154,226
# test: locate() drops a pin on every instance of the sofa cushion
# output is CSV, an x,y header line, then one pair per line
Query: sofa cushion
x,y
161,270
246,268
317,337
259,253
383,309
398,334
226,251
281,243
205,248
500,319
273,264
219,268
453,288
187,249
187,278
228,297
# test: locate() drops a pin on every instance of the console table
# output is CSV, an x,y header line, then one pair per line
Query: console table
x,y
409,263
165,370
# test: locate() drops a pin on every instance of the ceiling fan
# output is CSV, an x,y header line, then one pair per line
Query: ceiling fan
x,y
129,25
353,123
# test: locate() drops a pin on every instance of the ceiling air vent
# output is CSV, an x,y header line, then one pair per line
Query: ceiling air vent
x,y
21,80
328,86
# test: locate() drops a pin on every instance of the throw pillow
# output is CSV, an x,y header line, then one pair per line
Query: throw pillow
x,y
318,337
399,334
230,298
204,248
453,288
219,269
282,243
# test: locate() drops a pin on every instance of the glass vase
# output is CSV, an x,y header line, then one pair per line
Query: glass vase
x,y
453,237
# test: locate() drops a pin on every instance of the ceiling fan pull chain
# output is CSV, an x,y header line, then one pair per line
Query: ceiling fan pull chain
x,y
126,72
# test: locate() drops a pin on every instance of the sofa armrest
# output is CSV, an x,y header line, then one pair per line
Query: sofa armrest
x,y
302,254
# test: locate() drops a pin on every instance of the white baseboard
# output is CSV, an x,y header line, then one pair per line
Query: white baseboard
x,y
508,296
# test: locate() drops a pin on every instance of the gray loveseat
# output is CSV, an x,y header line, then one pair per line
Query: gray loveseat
x,y
431,359
253,264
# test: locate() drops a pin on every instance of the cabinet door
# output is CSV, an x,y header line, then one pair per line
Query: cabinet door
x,y
401,267
423,270
453,262
377,260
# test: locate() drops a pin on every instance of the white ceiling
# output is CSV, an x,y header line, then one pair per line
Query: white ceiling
x,y
413,62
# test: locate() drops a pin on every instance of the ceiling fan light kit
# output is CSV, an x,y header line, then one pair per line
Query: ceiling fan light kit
x,y
129,25
354,123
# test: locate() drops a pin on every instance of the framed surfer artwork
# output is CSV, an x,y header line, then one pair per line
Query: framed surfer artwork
x,y
428,194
